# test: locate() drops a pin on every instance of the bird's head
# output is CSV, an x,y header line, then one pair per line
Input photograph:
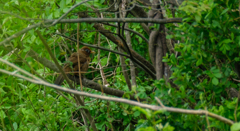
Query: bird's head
x,y
86,50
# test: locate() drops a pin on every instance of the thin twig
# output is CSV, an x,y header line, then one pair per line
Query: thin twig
x,y
135,32
79,65
93,46
208,125
159,101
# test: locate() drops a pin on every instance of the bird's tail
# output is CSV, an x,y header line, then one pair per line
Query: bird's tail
x,y
59,80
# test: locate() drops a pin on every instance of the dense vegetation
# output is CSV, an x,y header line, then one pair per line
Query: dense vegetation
x,y
191,61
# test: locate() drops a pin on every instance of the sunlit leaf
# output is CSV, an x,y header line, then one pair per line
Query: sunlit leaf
x,y
215,81
235,127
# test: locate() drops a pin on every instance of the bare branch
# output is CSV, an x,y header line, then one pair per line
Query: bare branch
x,y
93,46
141,62
134,103
135,32
127,20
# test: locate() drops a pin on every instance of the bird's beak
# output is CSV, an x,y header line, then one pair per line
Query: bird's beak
x,y
93,52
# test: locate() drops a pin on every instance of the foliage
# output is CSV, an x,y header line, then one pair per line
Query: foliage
x,y
203,70
205,67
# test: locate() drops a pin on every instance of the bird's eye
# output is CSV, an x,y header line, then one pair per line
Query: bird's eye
x,y
87,50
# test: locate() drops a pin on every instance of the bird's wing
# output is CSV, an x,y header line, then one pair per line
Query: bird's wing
x,y
84,66
74,58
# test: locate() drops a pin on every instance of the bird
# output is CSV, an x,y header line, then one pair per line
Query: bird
x,y
84,57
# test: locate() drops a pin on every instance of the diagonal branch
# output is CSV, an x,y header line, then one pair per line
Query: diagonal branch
x,y
141,62
87,83
130,102
135,32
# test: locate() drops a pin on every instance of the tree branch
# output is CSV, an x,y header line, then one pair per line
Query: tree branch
x,y
87,83
142,62
36,80
127,20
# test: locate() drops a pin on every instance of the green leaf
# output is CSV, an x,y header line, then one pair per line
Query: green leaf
x,y
168,127
187,19
165,60
223,49
218,75
110,119
62,4
128,127
33,38
68,1
2,92
136,113
215,81
173,59
1,52
146,129
224,11
199,62
182,89
140,40
100,125
146,112
227,47
126,121
225,41
104,61
214,69
237,59
56,13
191,99
65,9
232,36
15,126
231,105
2,114
101,1
124,113
197,17
216,24
50,16
160,111
235,127
239,40
227,72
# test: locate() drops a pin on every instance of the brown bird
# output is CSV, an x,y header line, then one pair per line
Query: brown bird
x,y
84,58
